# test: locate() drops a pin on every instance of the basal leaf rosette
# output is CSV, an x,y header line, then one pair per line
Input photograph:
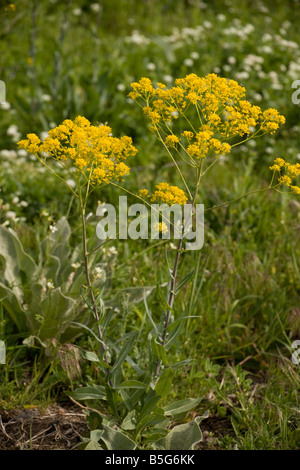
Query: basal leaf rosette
x,y
91,149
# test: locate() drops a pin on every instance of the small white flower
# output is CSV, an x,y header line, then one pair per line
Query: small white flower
x,y
50,285
257,97
151,66
112,251
121,87
44,135
22,153
15,200
96,7
242,75
11,215
46,98
267,49
71,183
207,24
188,62
77,11
23,204
75,265
195,55
99,272
231,60
4,153
5,105
12,130
168,78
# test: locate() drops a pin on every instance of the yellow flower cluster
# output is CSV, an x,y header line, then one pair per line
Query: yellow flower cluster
x,y
166,194
271,120
219,104
92,149
205,143
161,227
291,171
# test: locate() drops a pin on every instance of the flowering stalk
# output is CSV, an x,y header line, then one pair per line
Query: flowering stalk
x,y
174,277
211,111
82,207
98,157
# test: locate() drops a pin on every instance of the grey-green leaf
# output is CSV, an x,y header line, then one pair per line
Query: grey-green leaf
x,y
181,406
93,445
116,440
89,393
164,383
182,437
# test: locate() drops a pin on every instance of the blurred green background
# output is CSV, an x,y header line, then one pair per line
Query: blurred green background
x,y
63,59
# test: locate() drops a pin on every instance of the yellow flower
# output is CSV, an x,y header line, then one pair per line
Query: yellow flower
x,y
90,148
271,120
285,180
275,168
293,170
296,189
171,140
188,135
169,195
217,103
143,193
161,227
31,144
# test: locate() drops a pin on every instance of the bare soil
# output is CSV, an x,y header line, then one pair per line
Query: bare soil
x,y
62,428
56,428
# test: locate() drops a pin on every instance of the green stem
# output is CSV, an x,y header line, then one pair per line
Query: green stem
x,y
174,278
175,163
87,274
57,176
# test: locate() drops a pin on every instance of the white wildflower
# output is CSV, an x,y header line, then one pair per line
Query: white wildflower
x,y
121,87
188,62
151,66
53,228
